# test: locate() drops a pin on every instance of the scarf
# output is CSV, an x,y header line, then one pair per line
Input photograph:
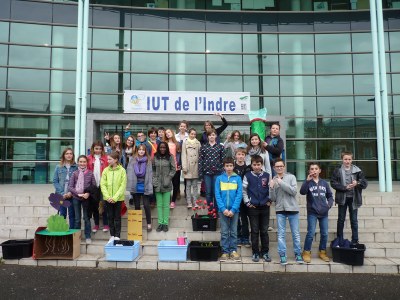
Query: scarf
x,y
81,181
253,151
140,166
96,169
68,166
189,141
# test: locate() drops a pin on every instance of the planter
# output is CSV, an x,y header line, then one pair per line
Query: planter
x,y
16,249
349,256
122,250
204,224
204,251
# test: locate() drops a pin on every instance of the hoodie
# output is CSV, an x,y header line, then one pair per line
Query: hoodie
x,y
228,192
319,197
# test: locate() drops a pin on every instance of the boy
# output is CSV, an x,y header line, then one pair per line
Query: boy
x,y
348,181
283,190
228,193
319,201
256,198
241,168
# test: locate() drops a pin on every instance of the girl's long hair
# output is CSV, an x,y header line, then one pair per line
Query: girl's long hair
x,y
142,146
97,143
172,139
232,139
250,146
133,143
112,143
115,155
167,154
62,159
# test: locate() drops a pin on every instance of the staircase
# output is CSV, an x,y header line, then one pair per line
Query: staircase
x,y
23,208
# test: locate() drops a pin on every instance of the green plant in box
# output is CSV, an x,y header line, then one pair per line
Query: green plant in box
x,y
57,223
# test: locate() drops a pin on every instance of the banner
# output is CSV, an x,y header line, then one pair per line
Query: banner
x,y
186,102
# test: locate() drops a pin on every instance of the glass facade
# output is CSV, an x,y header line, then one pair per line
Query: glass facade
x,y
315,69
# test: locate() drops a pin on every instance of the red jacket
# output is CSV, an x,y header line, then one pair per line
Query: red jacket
x,y
103,163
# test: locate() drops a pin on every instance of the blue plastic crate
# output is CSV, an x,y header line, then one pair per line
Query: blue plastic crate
x,y
121,253
171,251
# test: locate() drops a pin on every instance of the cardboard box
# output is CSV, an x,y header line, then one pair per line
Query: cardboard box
x,y
57,245
135,230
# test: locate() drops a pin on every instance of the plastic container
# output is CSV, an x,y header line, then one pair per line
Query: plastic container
x,y
171,251
204,224
16,249
349,256
121,253
204,251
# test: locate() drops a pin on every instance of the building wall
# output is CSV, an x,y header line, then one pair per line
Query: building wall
x,y
315,69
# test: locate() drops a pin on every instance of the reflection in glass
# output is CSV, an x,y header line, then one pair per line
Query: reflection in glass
x,y
224,63
3,74
365,128
271,104
145,40
185,63
104,103
28,101
335,85
38,79
31,11
63,81
23,56
251,64
289,105
310,149
296,64
362,63
251,84
224,83
271,85
394,40
332,43
330,64
335,106
187,82
297,85
110,39
30,34
232,42
335,127
4,31
149,82
180,41
110,60
365,105
105,82
332,149
364,84
296,43
149,62
2,103
64,36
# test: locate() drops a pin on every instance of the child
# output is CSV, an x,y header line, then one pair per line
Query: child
x,y
233,141
62,174
141,139
319,201
241,168
228,192
79,183
175,151
115,143
97,162
255,147
128,150
140,176
283,190
210,164
256,198
182,135
274,144
113,186
190,166
160,134
152,134
348,181
208,125
163,171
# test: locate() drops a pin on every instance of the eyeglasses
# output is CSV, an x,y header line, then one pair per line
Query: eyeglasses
x,y
279,167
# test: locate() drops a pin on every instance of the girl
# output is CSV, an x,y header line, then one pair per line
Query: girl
x,y
163,171
97,162
115,143
62,174
152,139
182,135
209,125
233,141
255,147
113,186
140,175
175,150
210,164
190,166
81,180
128,150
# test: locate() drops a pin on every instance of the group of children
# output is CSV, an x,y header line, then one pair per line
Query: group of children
x,y
240,180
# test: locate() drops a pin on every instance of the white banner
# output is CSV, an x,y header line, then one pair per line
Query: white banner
x,y
186,102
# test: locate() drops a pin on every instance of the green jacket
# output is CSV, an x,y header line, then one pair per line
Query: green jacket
x,y
163,171
113,183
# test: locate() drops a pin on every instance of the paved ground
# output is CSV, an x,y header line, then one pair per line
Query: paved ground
x,y
19,282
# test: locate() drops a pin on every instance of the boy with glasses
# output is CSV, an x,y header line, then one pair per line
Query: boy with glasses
x,y
283,190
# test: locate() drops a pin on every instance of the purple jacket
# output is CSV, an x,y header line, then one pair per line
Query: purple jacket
x,y
88,181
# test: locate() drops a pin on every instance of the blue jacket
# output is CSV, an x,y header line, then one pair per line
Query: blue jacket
x,y
319,197
256,188
228,192
60,173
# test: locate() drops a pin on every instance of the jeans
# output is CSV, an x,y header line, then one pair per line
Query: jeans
x,y
163,207
146,205
294,227
243,223
71,214
192,184
353,220
228,232
114,218
209,182
176,182
323,228
259,227
78,206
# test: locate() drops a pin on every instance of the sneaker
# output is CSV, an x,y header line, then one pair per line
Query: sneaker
x,y
95,228
111,239
235,256
323,256
307,256
246,243
160,227
106,228
165,228
270,228
299,259
266,257
255,257
224,257
283,260
149,228
88,241
189,205
172,205
116,238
